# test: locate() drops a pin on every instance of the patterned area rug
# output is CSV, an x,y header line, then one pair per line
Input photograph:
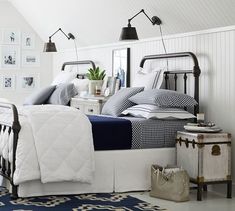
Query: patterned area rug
x,y
83,202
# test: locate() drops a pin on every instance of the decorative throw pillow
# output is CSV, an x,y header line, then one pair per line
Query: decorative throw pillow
x,y
151,112
40,97
64,77
163,98
62,94
119,101
149,80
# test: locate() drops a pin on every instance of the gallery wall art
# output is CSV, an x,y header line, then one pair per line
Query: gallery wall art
x,y
8,82
10,56
17,52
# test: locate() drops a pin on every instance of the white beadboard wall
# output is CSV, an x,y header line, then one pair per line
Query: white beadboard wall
x,y
215,50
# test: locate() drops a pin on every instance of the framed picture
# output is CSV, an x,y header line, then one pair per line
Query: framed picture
x,y
28,41
30,59
8,82
28,81
10,57
121,66
11,36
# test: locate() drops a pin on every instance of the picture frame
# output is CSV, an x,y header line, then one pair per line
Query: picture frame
x,y
8,82
30,59
11,36
10,56
121,65
28,82
28,41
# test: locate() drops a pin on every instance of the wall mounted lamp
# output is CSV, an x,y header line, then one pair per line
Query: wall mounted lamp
x,y
129,33
50,46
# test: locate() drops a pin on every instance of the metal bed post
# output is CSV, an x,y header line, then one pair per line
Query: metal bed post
x,y
9,170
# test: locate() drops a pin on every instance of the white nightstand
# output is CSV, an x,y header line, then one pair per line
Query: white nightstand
x,y
206,157
88,104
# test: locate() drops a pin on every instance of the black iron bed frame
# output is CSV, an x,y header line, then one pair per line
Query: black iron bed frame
x,y
83,75
7,169
195,71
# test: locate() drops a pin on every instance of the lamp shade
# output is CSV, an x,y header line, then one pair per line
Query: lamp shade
x,y
49,47
128,33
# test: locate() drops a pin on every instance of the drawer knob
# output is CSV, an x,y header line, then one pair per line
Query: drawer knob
x,y
90,110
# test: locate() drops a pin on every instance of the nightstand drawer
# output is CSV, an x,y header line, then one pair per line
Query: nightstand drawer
x,y
88,105
91,109
77,105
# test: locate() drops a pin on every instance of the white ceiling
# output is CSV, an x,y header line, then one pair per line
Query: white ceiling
x,y
95,22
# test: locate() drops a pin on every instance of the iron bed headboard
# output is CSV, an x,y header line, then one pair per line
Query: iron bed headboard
x,y
79,63
195,71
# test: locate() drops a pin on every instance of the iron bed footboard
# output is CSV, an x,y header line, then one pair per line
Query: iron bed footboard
x,y
7,169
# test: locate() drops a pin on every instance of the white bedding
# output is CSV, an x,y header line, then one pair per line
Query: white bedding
x,y
55,144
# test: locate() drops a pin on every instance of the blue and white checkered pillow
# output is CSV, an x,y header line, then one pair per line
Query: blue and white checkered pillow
x,y
116,104
164,98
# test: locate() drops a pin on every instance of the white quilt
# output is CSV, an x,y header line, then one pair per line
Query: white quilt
x,y
55,144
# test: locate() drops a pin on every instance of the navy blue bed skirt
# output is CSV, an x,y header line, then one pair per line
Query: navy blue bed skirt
x,y
111,133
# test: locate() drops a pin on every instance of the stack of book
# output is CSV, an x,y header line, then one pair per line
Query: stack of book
x,y
113,84
202,127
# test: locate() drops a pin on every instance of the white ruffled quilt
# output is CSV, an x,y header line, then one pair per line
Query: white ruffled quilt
x,y
55,144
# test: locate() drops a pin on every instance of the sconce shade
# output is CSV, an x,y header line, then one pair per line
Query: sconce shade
x,y
128,33
50,47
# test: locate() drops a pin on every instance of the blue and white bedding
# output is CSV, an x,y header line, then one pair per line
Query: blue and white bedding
x,y
117,133
154,133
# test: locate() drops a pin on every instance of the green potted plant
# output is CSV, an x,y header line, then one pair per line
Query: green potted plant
x,y
96,77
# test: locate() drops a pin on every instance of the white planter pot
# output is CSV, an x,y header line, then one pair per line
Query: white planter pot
x,y
93,84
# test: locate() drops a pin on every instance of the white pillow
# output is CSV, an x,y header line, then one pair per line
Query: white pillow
x,y
64,77
148,80
81,85
148,111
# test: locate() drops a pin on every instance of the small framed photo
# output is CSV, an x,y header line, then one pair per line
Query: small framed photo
x,y
10,57
121,66
8,82
11,36
28,41
30,59
28,81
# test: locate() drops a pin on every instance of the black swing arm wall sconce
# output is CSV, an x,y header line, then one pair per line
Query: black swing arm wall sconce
x,y
50,46
129,32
